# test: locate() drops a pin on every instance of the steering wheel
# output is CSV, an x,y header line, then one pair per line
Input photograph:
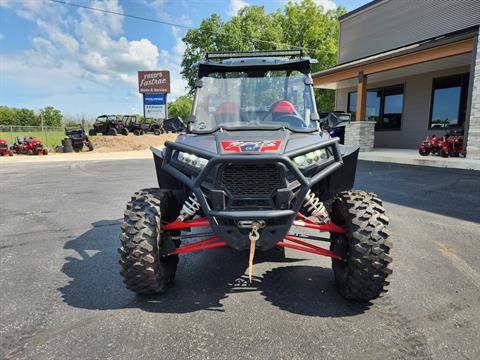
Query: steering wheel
x,y
292,119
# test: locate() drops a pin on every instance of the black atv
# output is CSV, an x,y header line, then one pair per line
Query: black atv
x,y
258,170
79,138
108,125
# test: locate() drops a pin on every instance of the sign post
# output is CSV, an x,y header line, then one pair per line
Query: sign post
x,y
154,85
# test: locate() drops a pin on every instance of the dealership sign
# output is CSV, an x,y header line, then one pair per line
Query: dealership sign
x,y
154,106
151,82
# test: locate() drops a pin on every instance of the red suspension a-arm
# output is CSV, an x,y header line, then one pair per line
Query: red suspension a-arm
x,y
214,241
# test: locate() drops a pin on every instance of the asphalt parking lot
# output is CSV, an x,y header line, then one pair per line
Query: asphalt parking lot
x,y
61,295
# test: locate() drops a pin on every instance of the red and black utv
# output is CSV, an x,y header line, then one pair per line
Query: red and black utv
x,y
256,166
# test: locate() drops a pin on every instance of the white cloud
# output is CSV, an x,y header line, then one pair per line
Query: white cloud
x,y
326,4
88,54
235,6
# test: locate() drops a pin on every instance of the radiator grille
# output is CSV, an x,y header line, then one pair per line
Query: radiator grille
x,y
251,180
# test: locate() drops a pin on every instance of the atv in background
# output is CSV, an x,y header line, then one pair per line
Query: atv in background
x,y
108,125
28,145
254,168
4,150
173,125
79,138
135,125
141,127
448,145
154,126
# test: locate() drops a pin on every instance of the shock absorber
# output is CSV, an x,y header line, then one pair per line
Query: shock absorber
x,y
189,209
315,207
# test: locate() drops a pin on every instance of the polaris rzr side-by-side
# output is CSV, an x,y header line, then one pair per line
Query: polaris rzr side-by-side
x,y
255,167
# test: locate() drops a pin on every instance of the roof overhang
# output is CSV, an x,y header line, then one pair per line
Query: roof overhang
x,y
406,56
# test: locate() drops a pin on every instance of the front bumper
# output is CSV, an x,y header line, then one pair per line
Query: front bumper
x,y
279,217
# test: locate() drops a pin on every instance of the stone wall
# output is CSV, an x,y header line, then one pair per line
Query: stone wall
x,y
360,133
473,140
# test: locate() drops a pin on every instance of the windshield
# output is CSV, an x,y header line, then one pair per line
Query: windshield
x,y
259,99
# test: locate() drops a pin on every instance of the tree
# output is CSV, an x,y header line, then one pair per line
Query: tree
x,y
24,117
51,116
181,107
6,115
303,25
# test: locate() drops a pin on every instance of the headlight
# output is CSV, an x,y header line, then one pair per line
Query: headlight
x,y
310,158
192,160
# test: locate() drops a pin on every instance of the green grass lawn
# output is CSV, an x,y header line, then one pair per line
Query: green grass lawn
x,y
48,138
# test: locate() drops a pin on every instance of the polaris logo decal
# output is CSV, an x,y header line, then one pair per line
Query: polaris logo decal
x,y
245,146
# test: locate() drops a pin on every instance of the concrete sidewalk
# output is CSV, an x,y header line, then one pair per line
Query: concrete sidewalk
x,y
412,157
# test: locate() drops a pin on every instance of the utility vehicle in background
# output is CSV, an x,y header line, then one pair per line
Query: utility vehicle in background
x,y
79,139
141,127
108,125
255,166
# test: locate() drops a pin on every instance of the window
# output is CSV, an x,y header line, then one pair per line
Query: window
x,y
449,101
392,108
384,106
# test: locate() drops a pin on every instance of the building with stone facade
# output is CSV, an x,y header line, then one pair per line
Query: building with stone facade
x,y
407,69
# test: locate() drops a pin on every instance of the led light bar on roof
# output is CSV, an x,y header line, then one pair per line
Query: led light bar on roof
x,y
260,53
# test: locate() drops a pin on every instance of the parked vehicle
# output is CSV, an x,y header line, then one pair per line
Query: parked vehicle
x,y
28,145
135,125
79,138
448,145
108,125
4,150
253,163
173,125
154,126
339,118
141,127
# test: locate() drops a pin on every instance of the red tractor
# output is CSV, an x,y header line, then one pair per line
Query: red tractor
x,y
29,146
451,144
4,151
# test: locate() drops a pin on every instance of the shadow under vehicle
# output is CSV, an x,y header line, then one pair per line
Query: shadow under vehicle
x,y
255,166
108,125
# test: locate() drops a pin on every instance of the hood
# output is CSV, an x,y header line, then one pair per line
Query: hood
x,y
252,142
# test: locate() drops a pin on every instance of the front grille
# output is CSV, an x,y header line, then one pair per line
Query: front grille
x,y
251,180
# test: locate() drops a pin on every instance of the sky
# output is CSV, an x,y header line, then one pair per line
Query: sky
x,y
85,62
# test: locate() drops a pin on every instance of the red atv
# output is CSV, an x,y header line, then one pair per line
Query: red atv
x,y
29,146
451,144
432,145
4,151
